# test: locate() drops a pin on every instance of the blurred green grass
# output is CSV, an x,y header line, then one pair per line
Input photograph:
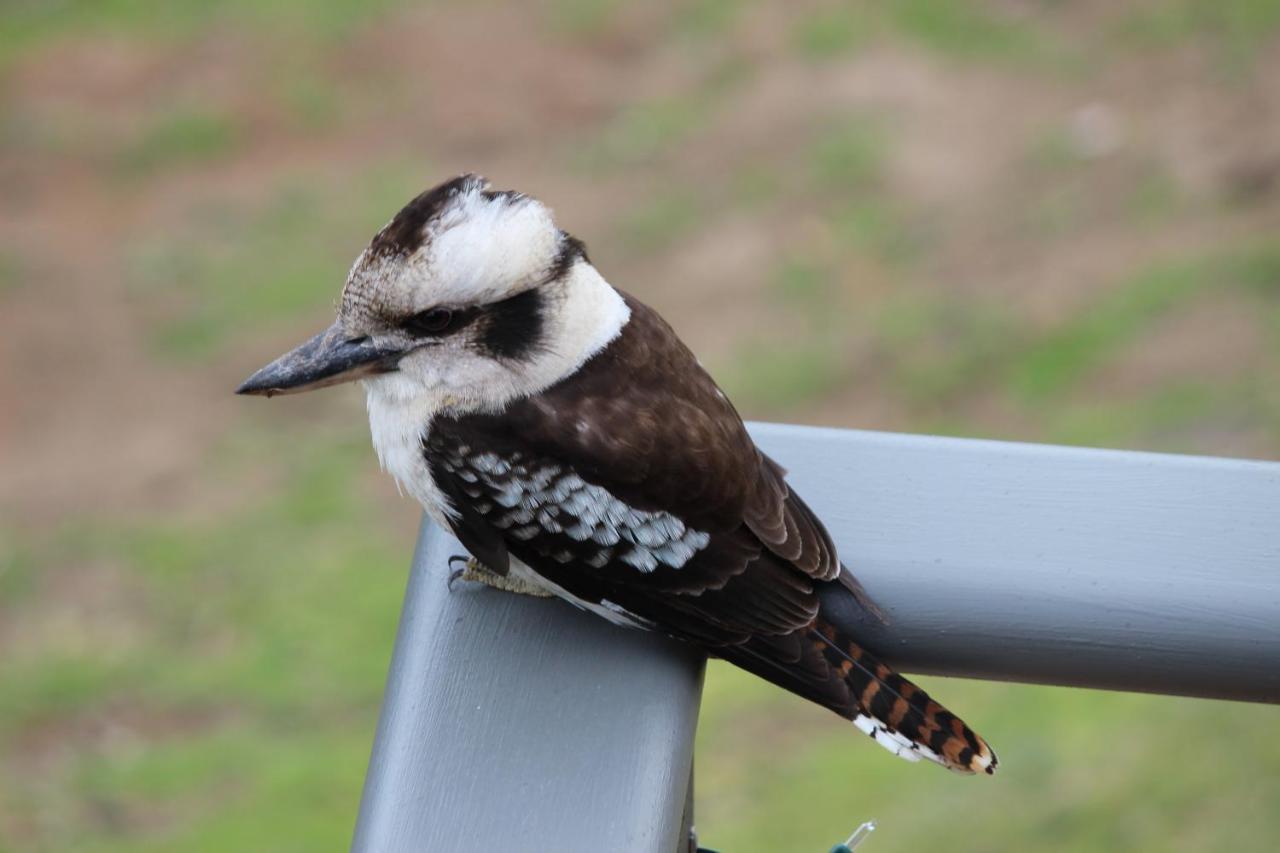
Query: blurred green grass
x,y
658,221
30,24
209,680
223,274
954,29
241,717
1088,786
1236,29
180,137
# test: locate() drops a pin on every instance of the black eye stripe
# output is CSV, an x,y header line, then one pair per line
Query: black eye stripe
x,y
508,329
516,326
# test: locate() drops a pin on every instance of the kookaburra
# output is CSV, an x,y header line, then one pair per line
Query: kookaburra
x,y
559,428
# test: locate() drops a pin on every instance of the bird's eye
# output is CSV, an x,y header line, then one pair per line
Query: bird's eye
x,y
431,322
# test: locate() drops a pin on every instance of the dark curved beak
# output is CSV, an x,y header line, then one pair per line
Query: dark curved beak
x,y
330,358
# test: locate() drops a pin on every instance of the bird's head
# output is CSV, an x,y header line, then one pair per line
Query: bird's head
x,y
469,297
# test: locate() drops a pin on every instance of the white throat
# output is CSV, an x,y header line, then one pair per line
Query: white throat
x,y
584,315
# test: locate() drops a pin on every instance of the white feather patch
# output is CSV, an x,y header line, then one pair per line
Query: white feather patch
x,y
895,742
606,609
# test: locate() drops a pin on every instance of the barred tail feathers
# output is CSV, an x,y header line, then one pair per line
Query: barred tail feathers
x,y
897,714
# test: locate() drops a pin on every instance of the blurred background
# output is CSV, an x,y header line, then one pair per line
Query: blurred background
x,y
1040,221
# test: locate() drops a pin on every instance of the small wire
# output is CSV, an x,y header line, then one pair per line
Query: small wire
x,y
859,835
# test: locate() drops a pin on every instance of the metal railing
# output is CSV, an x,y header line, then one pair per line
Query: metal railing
x,y
517,724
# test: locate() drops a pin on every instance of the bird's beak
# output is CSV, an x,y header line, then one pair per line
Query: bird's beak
x,y
330,358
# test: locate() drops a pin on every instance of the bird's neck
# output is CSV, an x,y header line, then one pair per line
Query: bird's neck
x,y
590,314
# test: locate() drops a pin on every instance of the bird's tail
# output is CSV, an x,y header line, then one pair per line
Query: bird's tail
x,y
896,713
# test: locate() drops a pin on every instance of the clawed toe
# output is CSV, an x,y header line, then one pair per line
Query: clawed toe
x,y
474,571
456,573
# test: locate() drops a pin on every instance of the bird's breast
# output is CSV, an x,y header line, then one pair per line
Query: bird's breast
x,y
399,425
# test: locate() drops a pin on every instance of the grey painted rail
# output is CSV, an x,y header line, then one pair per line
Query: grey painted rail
x,y
513,724
1057,565
523,725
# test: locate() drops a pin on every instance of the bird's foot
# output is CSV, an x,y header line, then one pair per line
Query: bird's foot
x,y
477,572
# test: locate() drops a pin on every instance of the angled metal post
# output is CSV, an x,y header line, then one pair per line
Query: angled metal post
x,y
512,723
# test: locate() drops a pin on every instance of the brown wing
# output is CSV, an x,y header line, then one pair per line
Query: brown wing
x,y
643,419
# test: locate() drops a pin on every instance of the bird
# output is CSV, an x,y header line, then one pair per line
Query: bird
x,y
576,448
